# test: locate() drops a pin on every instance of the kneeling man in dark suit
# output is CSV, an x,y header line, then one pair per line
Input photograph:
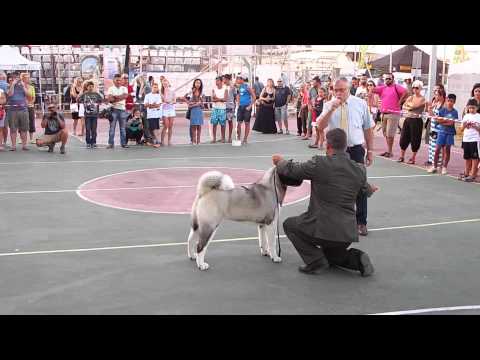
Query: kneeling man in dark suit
x,y
323,234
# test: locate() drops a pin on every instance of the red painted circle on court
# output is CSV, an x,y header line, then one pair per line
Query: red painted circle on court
x,y
166,190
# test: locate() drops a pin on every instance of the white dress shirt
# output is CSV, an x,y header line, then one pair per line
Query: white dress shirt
x,y
359,119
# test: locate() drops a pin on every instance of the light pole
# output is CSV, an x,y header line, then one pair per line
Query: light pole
x,y
432,71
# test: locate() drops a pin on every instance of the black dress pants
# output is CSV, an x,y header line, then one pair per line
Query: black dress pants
x,y
313,249
357,154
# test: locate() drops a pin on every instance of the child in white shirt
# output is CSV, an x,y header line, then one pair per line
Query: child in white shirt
x,y
471,137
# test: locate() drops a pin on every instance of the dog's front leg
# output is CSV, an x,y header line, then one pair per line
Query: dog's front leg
x,y
272,239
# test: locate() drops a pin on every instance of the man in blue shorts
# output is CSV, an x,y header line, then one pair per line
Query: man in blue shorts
x,y
446,133
219,113
245,99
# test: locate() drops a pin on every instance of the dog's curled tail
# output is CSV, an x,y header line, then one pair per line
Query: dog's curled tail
x,y
214,180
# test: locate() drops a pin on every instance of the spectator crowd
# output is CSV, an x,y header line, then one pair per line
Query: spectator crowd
x,y
145,112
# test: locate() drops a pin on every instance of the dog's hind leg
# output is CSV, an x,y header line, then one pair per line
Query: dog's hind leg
x,y
262,239
192,241
205,235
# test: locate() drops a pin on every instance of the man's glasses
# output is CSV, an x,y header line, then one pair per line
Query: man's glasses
x,y
386,79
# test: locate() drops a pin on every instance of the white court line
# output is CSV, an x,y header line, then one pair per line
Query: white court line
x,y
213,241
422,168
167,187
148,159
420,311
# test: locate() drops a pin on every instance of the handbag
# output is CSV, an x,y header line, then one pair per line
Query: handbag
x,y
106,113
74,107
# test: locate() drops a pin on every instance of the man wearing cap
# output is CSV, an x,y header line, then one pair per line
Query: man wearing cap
x,y
391,95
282,98
55,131
351,114
245,98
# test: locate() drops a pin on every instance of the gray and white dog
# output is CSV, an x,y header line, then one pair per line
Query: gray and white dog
x,y
218,198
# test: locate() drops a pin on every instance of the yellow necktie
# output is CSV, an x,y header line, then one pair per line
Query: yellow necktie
x,y
344,118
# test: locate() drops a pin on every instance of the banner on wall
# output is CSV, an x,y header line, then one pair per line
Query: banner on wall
x,y
112,64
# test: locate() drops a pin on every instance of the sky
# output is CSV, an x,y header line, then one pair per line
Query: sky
x,y
450,49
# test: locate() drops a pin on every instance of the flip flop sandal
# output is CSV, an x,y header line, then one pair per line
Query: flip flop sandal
x,y
400,159
469,179
411,161
384,154
311,146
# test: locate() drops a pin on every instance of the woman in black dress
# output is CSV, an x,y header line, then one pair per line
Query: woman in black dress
x,y
265,119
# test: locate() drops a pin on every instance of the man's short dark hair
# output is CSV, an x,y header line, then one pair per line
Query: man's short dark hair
x,y
452,97
150,78
227,76
256,78
354,78
116,76
317,79
337,138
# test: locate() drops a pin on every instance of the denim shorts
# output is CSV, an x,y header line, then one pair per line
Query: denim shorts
x,y
281,113
445,139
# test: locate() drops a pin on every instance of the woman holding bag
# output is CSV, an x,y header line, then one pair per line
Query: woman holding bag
x,y
75,91
265,119
195,105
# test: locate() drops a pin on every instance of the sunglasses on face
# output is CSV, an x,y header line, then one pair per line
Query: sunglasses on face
x,y
370,85
415,88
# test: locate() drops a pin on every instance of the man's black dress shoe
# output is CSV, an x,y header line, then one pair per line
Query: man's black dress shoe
x,y
316,267
366,267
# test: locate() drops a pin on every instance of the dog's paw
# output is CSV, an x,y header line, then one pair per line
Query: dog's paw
x,y
203,266
276,259
264,252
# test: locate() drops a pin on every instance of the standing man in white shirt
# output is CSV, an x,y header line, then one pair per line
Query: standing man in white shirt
x,y
219,112
117,95
351,114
